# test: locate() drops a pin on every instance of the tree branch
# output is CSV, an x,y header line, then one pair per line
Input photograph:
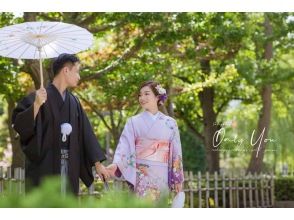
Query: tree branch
x,y
48,18
119,119
130,52
183,78
192,129
105,27
220,108
200,118
87,20
126,55
111,116
95,110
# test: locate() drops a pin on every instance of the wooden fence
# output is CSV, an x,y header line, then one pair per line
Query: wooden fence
x,y
229,191
15,183
201,190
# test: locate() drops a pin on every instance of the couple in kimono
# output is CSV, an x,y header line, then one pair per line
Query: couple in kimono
x,y
57,138
149,154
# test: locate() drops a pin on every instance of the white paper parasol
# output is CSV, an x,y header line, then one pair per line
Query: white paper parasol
x,y
41,40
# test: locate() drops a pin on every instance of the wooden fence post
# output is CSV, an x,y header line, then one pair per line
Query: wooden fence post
x,y
16,180
261,190
256,190
9,178
250,190
237,191
199,189
267,190
1,180
215,189
23,179
244,192
224,190
207,190
230,191
272,190
191,189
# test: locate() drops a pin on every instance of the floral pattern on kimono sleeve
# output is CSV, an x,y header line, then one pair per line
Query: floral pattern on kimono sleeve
x,y
176,174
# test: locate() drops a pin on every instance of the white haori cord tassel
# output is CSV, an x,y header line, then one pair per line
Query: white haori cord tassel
x,y
66,129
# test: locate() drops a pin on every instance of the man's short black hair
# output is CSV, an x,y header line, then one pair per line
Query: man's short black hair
x,y
61,60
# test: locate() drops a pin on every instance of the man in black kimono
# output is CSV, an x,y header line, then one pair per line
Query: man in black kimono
x,y
55,133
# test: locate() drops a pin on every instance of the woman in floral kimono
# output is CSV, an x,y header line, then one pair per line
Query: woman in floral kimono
x,y
149,154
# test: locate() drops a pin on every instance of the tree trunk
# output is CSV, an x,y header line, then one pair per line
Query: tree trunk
x,y
206,98
170,107
18,158
116,135
255,164
257,155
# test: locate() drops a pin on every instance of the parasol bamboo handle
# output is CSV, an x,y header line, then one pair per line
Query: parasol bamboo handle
x,y
41,68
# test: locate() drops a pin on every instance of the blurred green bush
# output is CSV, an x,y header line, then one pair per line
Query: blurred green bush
x,y
284,188
48,196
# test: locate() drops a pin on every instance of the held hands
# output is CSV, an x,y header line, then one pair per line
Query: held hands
x,y
101,171
111,169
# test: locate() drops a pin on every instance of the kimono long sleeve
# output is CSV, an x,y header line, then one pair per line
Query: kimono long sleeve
x,y
27,127
176,174
125,155
23,118
91,145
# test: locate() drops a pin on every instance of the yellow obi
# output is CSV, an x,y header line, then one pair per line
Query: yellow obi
x,y
151,149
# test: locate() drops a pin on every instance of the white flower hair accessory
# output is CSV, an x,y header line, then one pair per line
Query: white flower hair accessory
x,y
160,90
162,93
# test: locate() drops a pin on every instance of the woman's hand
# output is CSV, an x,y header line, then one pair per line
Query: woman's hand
x,y
101,171
111,169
